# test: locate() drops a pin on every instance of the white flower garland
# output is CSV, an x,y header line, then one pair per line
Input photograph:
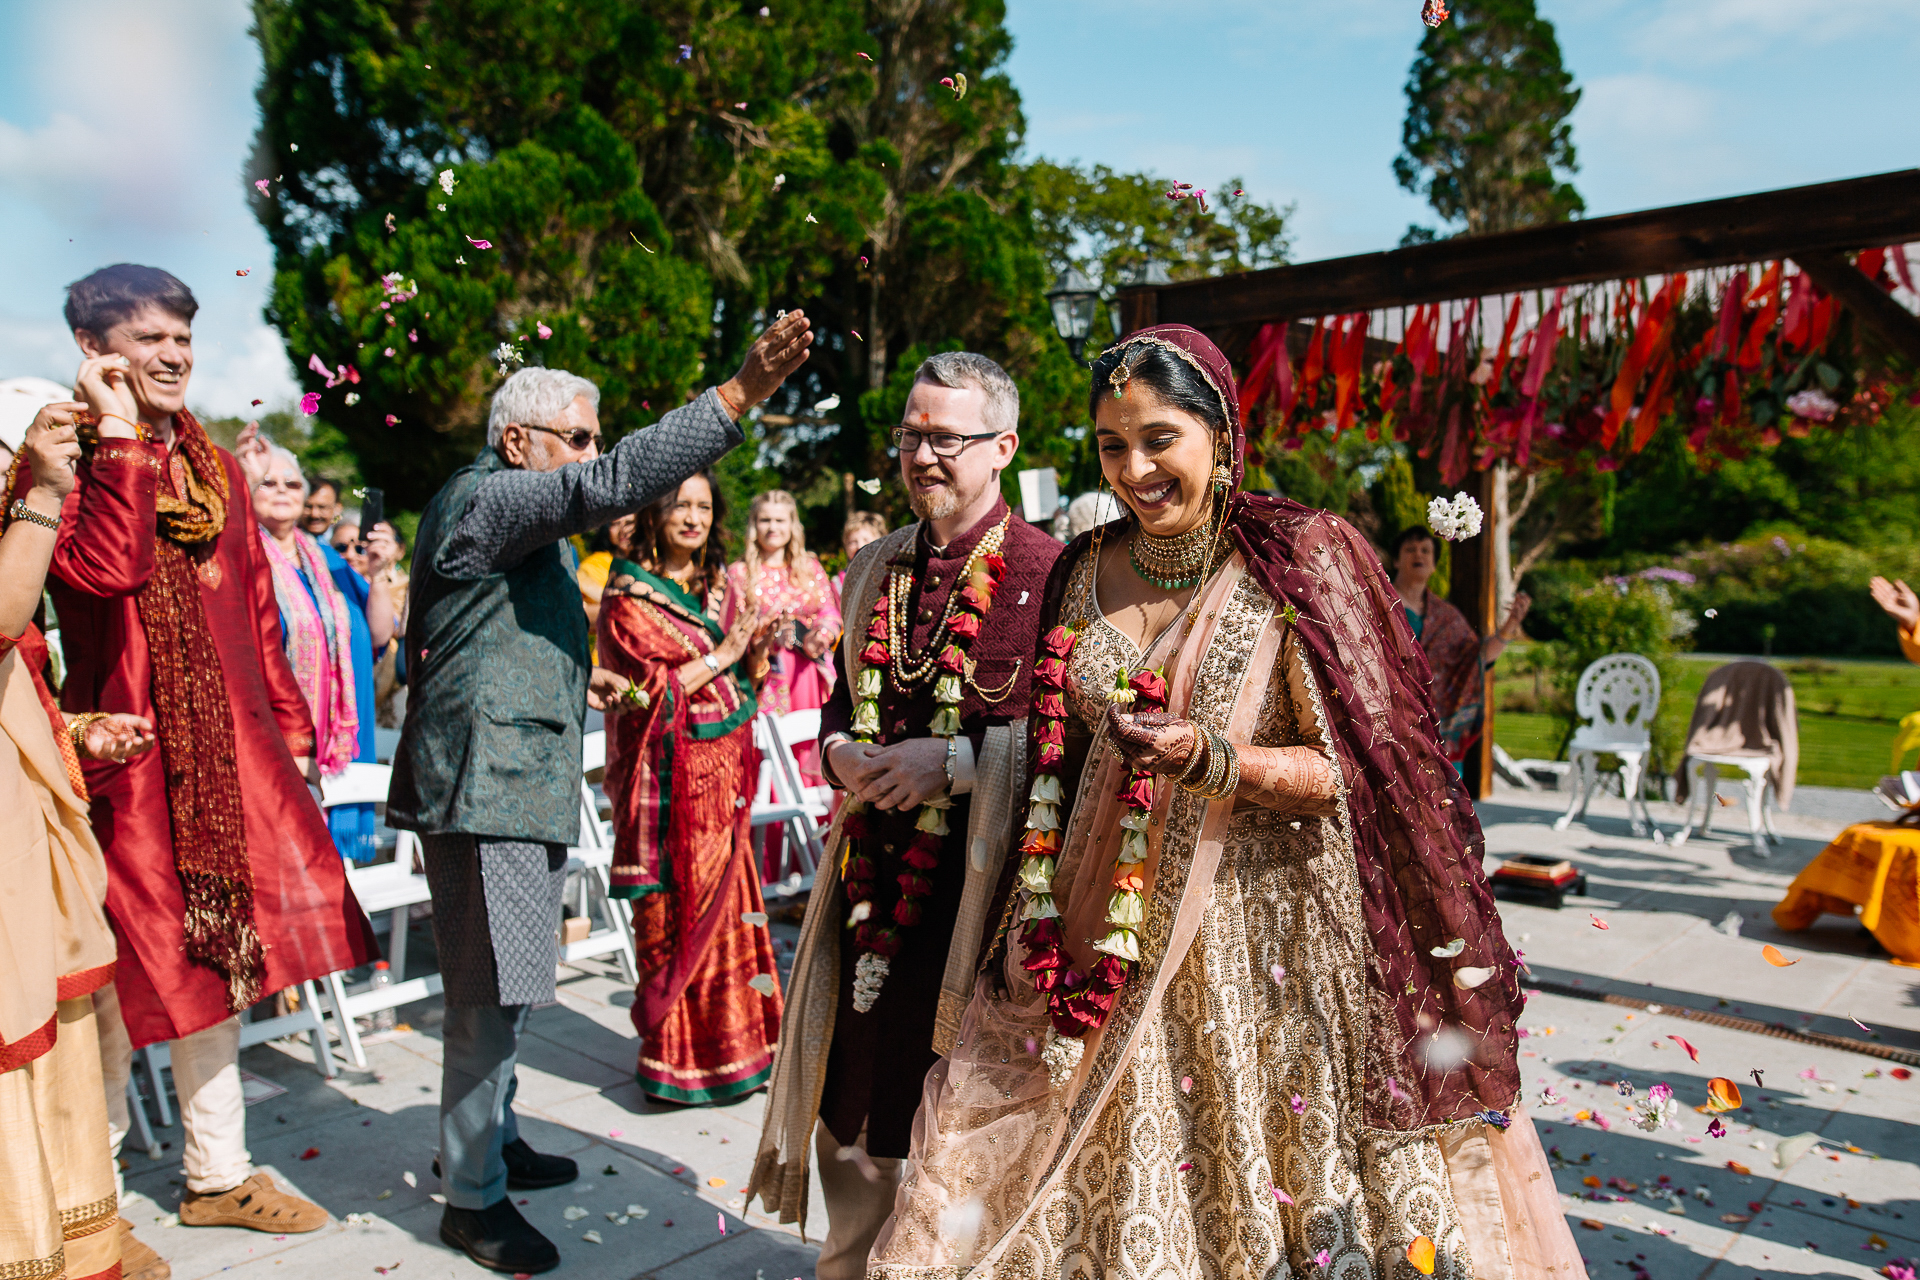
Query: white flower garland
x,y
1454,520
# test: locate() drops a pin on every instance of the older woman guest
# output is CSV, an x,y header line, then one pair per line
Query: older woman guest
x,y
782,578
861,528
1457,655
708,1008
331,621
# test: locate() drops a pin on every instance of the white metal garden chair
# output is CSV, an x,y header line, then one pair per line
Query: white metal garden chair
x,y
1617,697
783,801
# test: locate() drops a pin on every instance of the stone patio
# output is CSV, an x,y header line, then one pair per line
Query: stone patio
x,y
351,1144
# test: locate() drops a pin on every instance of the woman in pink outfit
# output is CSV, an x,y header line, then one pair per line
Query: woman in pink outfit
x,y
780,573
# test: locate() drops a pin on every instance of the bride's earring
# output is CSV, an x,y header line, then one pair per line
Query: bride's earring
x,y
1222,473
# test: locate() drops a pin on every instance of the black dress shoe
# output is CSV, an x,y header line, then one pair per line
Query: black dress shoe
x,y
498,1238
528,1170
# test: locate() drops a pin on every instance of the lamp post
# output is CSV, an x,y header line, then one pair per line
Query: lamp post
x,y
1073,298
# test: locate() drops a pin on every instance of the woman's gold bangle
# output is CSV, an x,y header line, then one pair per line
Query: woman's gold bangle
x,y
78,726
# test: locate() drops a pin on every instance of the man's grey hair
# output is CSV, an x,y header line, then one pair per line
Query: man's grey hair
x,y
535,397
278,456
967,369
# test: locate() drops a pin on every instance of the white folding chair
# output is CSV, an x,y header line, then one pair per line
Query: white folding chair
x,y
782,800
591,861
1618,694
389,889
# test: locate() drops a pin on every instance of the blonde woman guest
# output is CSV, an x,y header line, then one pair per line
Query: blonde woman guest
x,y
780,577
862,527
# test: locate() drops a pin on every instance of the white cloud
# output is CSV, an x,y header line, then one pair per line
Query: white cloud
x,y
234,364
1697,31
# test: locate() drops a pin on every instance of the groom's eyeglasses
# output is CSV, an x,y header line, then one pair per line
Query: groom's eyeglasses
x,y
578,438
946,444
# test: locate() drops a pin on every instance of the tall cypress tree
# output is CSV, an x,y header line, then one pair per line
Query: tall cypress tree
x,y
1486,136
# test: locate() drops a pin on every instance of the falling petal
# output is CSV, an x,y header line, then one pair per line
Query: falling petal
x,y
863,262
260,184
869,486
686,51
1598,923
542,330
758,919
258,403
739,106
392,420
636,240
1758,1083
1395,1092
310,403
243,271
1186,1084
1863,1026
828,405
389,224
721,1218
959,85
1421,1254
858,54
1280,1195
1722,1094
1279,973
1691,1051
1299,1105
480,244
1775,957
947,81
1184,1166
1322,1258
1715,1129
1451,950
763,983
1467,977
856,333
812,219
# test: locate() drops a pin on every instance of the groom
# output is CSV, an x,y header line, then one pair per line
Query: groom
x,y
866,1068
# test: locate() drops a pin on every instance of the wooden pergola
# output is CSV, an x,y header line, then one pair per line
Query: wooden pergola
x,y
1813,226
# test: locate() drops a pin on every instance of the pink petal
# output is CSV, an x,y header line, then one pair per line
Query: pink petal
x,y
723,1222
313,363
542,330
1299,1105
1279,973
1691,1051
389,350
310,402
261,184
1598,923
1185,1165
391,420
1280,1195
413,335
480,244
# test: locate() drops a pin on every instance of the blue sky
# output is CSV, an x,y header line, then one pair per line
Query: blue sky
x,y
124,127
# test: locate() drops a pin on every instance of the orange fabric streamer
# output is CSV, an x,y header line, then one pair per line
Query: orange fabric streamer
x,y
1653,331
1349,341
1767,293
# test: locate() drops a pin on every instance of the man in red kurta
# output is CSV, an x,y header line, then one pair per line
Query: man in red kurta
x,y
223,885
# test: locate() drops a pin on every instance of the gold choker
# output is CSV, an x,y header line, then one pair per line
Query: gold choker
x,y
1172,563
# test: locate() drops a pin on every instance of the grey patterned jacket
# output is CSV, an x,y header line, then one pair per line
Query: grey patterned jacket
x,y
497,637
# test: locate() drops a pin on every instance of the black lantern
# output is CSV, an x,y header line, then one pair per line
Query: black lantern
x,y
1073,298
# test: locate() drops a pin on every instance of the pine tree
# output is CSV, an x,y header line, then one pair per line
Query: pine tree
x,y
1486,136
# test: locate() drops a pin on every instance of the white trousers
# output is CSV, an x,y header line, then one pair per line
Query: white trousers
x,y
206,1080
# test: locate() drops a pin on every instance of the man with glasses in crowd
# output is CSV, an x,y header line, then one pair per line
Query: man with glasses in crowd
x,y
488,768
853,1091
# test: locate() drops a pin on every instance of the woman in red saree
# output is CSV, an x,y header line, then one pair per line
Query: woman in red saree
x,y
680,772
1456,654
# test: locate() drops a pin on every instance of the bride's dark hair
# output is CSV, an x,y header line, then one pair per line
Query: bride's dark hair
x,y
1163,373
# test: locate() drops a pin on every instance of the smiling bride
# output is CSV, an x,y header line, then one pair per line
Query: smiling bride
x,y
1247,1009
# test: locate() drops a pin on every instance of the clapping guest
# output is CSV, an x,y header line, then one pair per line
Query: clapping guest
x,y
331,622
708,1007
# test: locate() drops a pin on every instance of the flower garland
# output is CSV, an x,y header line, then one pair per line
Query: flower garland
x,y
1078,1003
879,943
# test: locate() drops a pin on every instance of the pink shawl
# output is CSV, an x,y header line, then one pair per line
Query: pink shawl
x,y
317,641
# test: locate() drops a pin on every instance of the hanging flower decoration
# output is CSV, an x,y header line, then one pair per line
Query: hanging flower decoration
x,y
1078,1003
879,942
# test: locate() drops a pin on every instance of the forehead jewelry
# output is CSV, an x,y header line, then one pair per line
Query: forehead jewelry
x,y
1118,378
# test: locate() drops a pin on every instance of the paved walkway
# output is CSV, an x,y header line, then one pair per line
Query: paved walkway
x,y
352,1143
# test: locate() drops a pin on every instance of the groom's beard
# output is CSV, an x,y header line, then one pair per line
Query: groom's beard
x,y
940,503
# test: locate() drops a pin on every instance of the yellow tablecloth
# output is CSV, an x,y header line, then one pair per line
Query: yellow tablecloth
x,y
1874,866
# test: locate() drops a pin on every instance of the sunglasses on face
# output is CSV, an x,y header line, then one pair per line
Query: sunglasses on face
x,y
946,444
279,484
578,438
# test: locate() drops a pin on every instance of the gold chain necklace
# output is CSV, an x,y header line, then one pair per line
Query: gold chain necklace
x,y
1172,563
908,673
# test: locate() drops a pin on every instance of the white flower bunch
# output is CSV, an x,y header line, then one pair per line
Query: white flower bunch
x,y
1062,1057
1454,520
869,975
446,182
1813,404
1656,1109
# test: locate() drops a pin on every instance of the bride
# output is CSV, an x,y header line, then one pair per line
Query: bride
x,y
1248,1010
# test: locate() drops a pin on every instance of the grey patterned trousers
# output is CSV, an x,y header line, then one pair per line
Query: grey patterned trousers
x,y
496,917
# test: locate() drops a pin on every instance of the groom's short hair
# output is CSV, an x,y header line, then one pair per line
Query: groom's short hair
x,y
110,295
966,369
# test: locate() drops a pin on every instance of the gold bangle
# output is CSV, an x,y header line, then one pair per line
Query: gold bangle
x,y
140,431
78,726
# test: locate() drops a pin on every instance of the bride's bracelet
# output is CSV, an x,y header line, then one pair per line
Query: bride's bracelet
x,y
1196,759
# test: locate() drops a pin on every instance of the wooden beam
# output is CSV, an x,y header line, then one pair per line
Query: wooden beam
x,y
1878,210
1896,326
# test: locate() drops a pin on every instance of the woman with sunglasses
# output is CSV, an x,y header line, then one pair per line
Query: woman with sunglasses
x,y
332,621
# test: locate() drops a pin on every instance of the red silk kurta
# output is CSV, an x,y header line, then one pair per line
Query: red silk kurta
x,y
309,923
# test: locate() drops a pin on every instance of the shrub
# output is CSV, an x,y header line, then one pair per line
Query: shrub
x,y
1623,615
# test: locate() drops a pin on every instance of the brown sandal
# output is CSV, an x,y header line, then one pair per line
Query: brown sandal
x,y
138,1261
255,1203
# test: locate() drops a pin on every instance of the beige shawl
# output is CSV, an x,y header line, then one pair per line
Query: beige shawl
x,y
780,1176
52,921
1745,709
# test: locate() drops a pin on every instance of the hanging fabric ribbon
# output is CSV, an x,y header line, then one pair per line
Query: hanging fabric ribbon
x,y
1652,334
1767,294
1350,354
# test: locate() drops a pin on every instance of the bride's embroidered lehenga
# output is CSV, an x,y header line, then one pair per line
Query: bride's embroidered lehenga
x,y
1292,1084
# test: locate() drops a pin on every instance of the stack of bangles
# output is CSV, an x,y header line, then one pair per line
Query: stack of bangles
x,y
1213,771
78,726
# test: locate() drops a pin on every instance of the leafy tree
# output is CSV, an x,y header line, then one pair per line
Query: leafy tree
x,y
1486,136
653,182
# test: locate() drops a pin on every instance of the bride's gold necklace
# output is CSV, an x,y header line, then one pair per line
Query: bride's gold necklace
x,y
1175,563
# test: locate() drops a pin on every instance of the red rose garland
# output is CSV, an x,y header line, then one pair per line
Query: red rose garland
x,y
879,943
1078,1003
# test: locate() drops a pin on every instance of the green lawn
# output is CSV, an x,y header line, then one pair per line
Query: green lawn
x,y
1849,712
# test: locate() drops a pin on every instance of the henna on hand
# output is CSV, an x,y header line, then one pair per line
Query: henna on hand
x,y
1289,779
1155,741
